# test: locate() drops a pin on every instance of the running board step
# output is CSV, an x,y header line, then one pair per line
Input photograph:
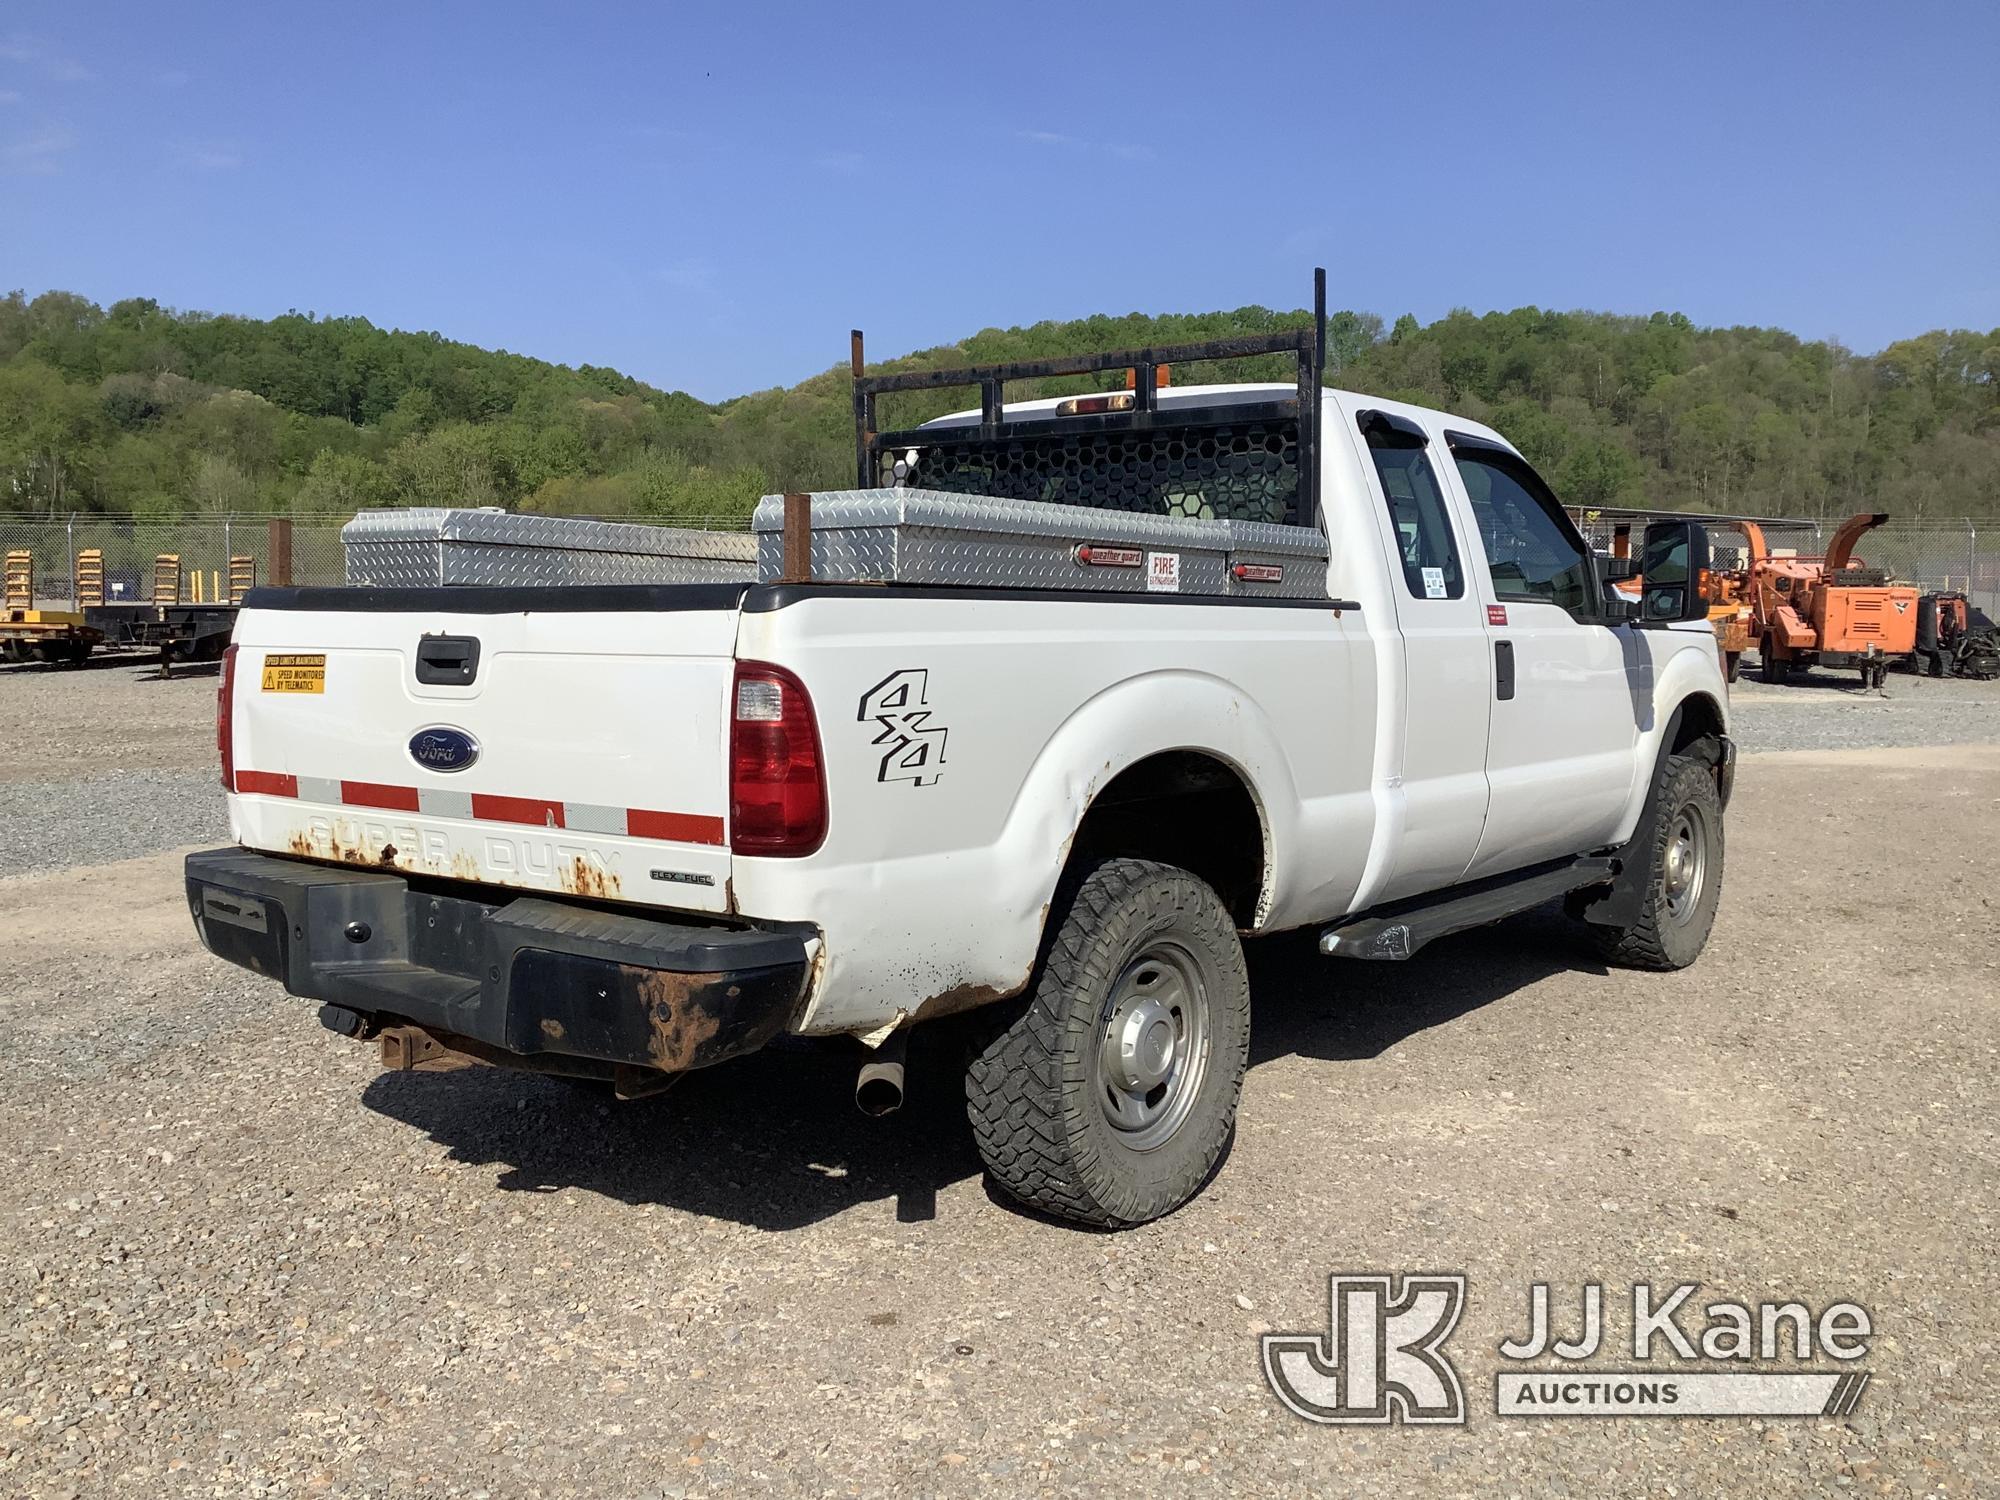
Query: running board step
x,y
1395,931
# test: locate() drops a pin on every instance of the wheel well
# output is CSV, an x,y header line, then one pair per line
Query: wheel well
x,y
1181,808
1700,718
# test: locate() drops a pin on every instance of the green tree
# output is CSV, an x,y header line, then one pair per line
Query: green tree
x,y
50,431
449,467
219,487
342,482
123,409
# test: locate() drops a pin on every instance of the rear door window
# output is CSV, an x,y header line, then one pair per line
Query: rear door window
x,y
1417,514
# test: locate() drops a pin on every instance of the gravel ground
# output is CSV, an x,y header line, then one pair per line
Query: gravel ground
x,y
53,824
106,762
238,1259
110,717
1829,711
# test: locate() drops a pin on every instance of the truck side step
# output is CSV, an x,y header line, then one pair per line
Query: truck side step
x,y
1396,931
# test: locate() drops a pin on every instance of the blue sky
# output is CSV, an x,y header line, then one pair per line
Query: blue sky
x,y
708,197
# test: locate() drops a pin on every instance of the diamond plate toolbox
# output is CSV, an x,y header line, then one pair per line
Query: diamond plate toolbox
x,y
929,536
421,547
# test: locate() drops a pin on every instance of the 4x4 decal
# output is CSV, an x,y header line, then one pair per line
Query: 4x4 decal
x,y
912,746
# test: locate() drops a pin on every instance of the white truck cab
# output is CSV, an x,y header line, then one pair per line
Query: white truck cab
x,y
1066,698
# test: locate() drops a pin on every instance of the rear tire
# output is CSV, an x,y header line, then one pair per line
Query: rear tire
x,y
1774,667
1112,1098
1732,664
1683,877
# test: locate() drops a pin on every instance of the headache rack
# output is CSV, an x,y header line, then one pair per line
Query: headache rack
x,y
1238,460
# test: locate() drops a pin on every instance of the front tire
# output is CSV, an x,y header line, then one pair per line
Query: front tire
x,y
1683,878
1113,1096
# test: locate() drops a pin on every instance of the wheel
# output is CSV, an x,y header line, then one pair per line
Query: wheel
x,y
1110,1100
1936,660
1774,667
1732,664
1684,878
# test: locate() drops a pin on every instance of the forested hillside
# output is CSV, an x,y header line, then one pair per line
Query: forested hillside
x,y
140,408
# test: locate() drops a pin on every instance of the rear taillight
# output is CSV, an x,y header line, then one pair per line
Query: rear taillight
x,y
225,718
777,780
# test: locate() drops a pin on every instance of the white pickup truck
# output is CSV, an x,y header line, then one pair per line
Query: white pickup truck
x,y
622,832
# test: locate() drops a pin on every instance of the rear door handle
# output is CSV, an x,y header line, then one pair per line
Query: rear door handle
x,y
1503,670
448,660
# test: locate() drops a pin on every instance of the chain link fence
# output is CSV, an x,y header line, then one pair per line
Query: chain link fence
x,y
130,545
1939,555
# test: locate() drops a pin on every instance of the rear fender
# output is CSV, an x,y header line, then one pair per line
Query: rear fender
x,y
1129,722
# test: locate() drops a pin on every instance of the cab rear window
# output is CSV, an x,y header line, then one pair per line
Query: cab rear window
x,y
1417,513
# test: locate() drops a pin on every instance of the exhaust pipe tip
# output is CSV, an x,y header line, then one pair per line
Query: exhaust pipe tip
x,y
878,1089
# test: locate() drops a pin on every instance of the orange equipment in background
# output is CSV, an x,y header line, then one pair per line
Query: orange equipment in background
x,y
1732,619
1830,611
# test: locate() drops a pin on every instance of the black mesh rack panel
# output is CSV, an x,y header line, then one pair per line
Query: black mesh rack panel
x,y
1204,470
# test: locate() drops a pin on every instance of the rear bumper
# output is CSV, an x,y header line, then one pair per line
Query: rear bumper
x,y
539,980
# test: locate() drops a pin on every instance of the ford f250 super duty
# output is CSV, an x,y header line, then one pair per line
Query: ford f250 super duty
x,y
1066,698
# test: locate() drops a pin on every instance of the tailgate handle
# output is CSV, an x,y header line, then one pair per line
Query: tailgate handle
x,y
449,660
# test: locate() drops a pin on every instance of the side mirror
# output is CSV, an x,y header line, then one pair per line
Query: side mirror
x,y
1674,563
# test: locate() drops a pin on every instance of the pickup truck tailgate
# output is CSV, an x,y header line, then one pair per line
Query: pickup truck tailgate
x,y
565,749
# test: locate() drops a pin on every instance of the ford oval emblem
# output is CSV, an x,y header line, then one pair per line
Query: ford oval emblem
x,y
441,748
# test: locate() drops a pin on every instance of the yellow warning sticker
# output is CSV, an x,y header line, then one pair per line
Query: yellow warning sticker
x,y
295,674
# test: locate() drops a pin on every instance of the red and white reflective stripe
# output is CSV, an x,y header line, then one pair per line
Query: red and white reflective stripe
x,y
487,807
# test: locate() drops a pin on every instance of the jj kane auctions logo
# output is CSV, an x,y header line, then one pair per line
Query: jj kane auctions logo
x,y
1382,1357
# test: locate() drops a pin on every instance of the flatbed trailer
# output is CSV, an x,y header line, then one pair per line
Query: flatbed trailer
x,y
180,633
179,629
51,635
30,633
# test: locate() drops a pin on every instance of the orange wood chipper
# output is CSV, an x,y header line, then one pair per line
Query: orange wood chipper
x,y
1831,611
